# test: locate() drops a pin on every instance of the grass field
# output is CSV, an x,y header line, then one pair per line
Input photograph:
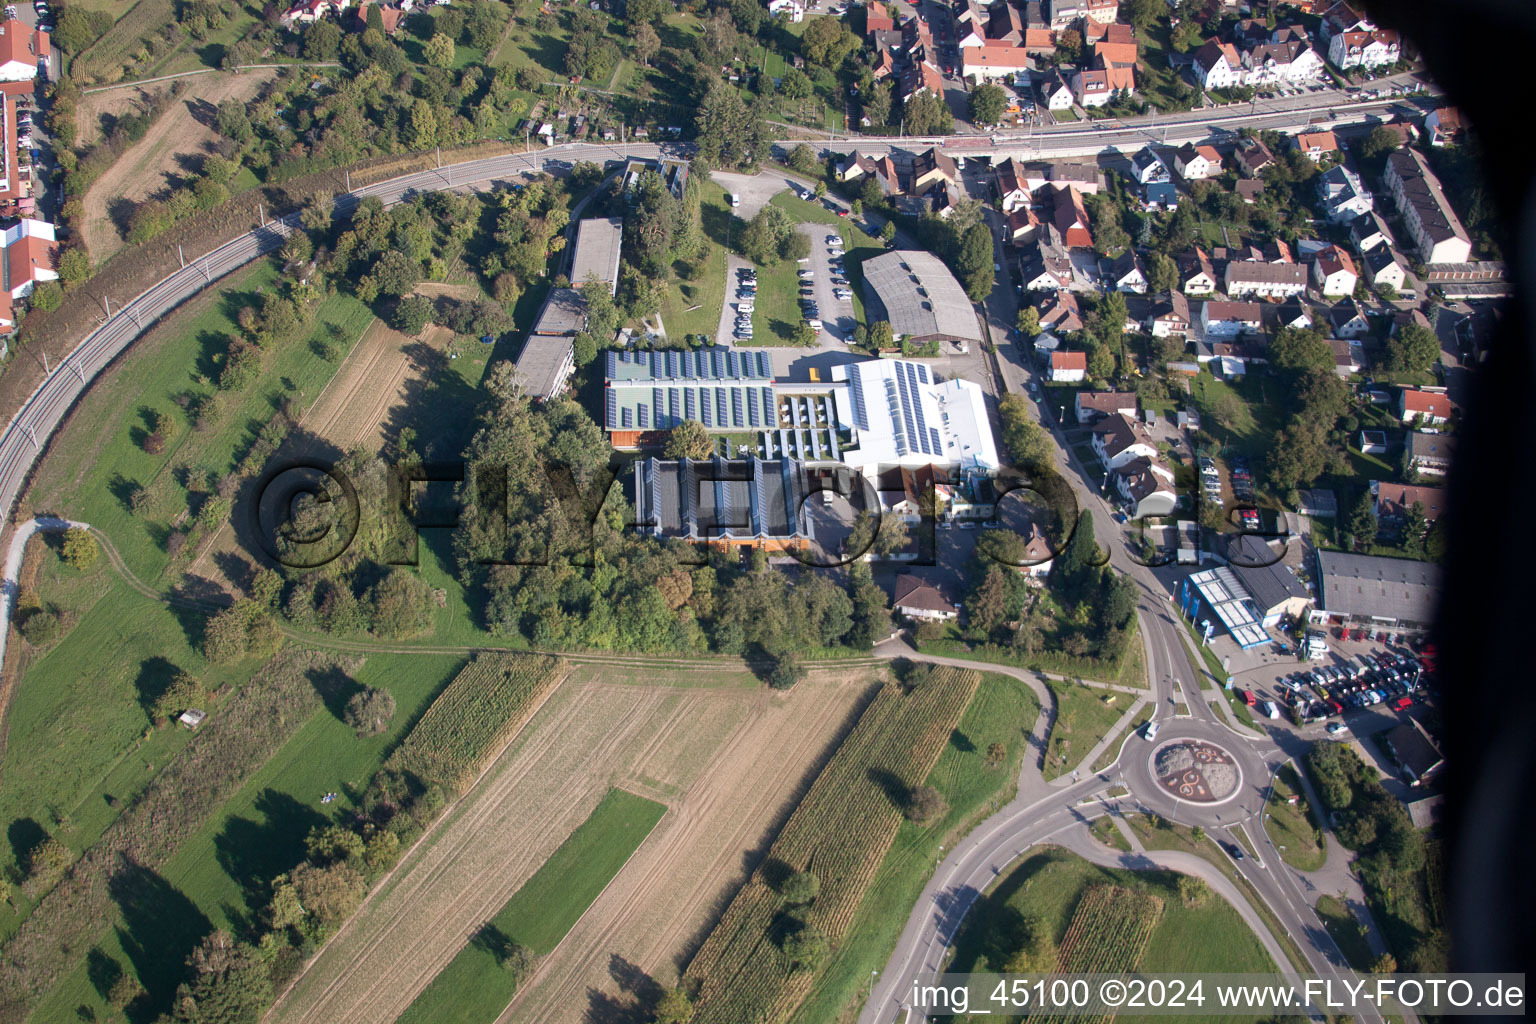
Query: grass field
x,y
1003,711
1046,886
693,306
1084,714
219,877
1345,929
1290,825
1112,752
473,988
1104,830
99,456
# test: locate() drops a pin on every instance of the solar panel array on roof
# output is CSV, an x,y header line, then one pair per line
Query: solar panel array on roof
x,y
708,364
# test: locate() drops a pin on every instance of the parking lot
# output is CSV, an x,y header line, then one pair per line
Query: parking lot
x,y
837,316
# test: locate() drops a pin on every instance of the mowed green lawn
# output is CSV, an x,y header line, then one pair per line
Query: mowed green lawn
x,y
219,877
1003,711
1046,885
100,456
692,305
1084,715
473,988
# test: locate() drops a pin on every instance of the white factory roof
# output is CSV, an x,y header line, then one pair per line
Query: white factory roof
x,y
902,415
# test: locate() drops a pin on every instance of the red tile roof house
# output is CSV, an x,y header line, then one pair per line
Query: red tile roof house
x,y
919,599
31,256
1393,501
1094,405
22,49
1071,218
1069,367
1427,407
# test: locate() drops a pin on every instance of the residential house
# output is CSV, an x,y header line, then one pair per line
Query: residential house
x,y
1145,486
1197,275
1070,218
1249,190
877,18
310,11
982,64
1429,454
1068,367
1055,93
1038,553
1196,162
1022,225
1293,313
1444,126
1391,502
1432,224
792,11
31,255
1108,54
1063,14
1383,269
1333,271
1061,313
1373,442
1148,167
1218,66
23,50
1081,175
1367,232
932,167
921,76
1102,11
1125,273
1119,438
918,599
1348,356
1355,41
882,168
1291,62
1347,320
1013,189
1276,250
1315,144
1265,280
1430,408
1252,156
1170,316
1227,319
1344,197
1091,406
1095,87
1045,269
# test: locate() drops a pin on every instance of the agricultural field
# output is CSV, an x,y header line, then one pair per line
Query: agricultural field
x,y
1044,890
841,831
483,708
99,453
1109,933
474,988
726,756
1003,711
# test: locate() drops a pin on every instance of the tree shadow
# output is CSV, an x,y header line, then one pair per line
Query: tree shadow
x,y
102,971
961,742
775,873
25,835
335,688
235,568
161,926
154,677
253,853
123,489
119,211
895,790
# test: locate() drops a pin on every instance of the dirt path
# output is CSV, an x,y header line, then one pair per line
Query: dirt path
x,y
146,166
702,749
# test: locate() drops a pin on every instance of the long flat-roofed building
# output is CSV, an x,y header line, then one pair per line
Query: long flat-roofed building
x,y
731,502
915,292
649,393
549,353
598,241
901,415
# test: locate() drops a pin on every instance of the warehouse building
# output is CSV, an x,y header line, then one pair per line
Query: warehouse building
x,y
649,393
899,414
915,292
1214,596
1269,582
730,502
1369,589
598,241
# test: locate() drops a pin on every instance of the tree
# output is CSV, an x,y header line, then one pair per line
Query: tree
x,y
1413,348
46,297
1193,891
1101,362
987,103
1415,525
803,159
517,959
74,266
785,671
322,40
1301,348
1028,442
645,43
795,84
973,263
925,805
47,862
807,946
230,984
800,888
369,711
643,12
1362,523
125,989
689,440
183,692
674,1007
328,894
1162,274
1381,142
1028,322
412,314
803,335
79,548
925,113
1385,964
438,51
827,41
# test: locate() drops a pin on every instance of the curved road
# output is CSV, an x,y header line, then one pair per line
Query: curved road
x,y
1041,812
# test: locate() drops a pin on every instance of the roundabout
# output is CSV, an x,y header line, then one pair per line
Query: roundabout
x,y
1196,771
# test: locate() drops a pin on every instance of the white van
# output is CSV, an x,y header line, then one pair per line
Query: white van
x,y
1270,711
735,199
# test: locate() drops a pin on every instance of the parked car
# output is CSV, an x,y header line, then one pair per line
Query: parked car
x,y
1248,697
1149,731
1337,728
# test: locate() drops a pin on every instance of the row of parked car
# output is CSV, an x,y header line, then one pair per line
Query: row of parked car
x,y
746,299
1382,677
